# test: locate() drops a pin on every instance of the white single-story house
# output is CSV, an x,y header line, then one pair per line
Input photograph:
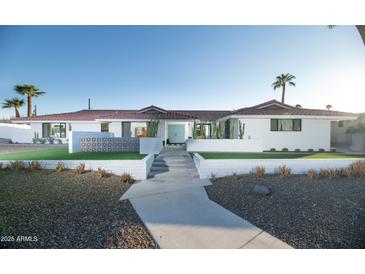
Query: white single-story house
x,y
276,124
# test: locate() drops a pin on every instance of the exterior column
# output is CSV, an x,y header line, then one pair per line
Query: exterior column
x,y
165,133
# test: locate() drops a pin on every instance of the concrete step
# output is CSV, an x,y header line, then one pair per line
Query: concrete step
x,y
182,165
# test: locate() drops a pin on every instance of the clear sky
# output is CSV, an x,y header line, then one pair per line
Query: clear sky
x,y
182,67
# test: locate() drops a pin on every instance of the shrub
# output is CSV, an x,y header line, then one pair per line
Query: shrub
x,y
213,177
358,169
321,150
16,165
343,172
327,173
312,173
127,178
33,165
60,167
285,149
80,169
310,150
1,165
260,172
297,150
333,150
272,149
102,173
284,171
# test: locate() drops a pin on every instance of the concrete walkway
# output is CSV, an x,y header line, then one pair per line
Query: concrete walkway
x,y
175,208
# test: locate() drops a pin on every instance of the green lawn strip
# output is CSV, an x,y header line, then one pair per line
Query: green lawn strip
x,y
62,154
276,155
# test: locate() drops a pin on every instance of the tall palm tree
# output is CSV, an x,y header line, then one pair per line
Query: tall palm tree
x,y
328,107
281,81
15,103
30,91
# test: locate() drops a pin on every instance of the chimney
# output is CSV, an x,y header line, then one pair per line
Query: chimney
x,y
89,104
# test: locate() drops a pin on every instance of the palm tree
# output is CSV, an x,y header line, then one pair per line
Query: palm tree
x,y
15,103
298,106
30,91
281,82
328,107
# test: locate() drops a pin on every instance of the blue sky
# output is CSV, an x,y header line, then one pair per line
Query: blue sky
x,y
181,67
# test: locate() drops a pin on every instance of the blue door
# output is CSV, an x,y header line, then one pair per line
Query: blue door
x,y
176,134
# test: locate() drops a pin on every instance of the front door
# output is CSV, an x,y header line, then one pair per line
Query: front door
x,y
176,134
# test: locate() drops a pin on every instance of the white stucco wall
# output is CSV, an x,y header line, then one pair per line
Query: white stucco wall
x,y
224,145
139,169
116,128
315,134
227,167
150,145
16,133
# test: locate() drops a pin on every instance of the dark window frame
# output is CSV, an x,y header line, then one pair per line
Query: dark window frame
x,y
63,133
276,121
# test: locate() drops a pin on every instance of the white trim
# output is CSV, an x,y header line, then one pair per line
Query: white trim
x,y
321,117
152,108
273,104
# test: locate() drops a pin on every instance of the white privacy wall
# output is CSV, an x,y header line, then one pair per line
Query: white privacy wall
x,y
16,133
315,134
224,145
150,145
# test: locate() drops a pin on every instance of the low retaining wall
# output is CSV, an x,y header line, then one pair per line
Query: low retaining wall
x,y
244,166
16,133
139,169
224,145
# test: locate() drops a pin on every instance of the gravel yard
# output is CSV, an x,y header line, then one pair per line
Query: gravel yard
x,y
303,212
64,210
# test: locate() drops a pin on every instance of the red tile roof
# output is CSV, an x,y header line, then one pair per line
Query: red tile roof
x,y
204,115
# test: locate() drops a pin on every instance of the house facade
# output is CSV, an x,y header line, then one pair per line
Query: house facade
x,y
277,125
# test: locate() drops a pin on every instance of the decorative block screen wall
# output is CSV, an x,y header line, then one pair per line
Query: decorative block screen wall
x,y
109,144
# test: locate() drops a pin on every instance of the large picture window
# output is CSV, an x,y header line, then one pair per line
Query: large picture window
x,y
286,124
54,130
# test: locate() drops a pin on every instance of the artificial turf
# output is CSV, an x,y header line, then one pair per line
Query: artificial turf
x,y
62,154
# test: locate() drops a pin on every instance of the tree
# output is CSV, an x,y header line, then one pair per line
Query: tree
x,y
30,91
15,103
281,82
298,106
328,107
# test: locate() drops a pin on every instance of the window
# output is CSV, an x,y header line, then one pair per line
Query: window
x,y
104,127
203,130
340,123
126,129
286,124
54,130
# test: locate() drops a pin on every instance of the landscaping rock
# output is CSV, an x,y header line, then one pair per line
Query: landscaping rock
x,y
261,189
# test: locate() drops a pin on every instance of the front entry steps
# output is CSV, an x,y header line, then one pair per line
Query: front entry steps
x,y
173,165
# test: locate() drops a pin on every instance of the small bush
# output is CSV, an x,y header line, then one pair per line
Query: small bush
x,y
327,173
343,172
213,177
272,149
310,150
297,150
358,169
16,165
260,172
333,150
284,171
33,165
127,178
80,169
285,149
321,150
60,167
102,173
1,165
312,173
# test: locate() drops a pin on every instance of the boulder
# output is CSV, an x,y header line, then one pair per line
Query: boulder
x,y
261,189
